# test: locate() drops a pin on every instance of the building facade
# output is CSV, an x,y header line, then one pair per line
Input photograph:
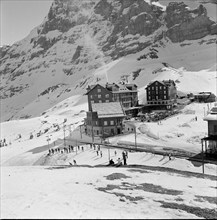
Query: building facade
x,y
205,97
162,93
127,94
98,94
105,119
210,142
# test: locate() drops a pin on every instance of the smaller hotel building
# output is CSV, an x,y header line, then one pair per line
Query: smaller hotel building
x,y
210,142
161,93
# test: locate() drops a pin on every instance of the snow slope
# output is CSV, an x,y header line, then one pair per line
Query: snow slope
x,y
35,185
46,192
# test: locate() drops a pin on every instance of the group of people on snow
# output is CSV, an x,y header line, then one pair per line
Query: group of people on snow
x,y
119,161
68,149
3,143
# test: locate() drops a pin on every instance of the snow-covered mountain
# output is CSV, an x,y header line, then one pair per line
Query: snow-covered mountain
x,y
84,42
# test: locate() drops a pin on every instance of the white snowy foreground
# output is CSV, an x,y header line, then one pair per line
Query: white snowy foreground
x,y
35,185
49,192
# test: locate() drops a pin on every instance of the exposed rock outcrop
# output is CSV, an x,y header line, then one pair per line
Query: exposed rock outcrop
x,y
184,24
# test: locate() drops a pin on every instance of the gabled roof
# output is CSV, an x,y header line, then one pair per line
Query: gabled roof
x,y
121,87
91,87
108,109
210,138
152,82
163,82
213,110
210,117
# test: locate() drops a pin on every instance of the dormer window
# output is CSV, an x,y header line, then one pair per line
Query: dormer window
x,y
99,90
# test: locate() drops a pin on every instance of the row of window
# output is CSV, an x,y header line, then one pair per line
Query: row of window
x,y
162,102
100,96
160,87
149,92
156,97
126,105
98,132
105,123
99,101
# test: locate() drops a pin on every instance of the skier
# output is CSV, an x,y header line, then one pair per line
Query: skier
x,y
101,153
74,161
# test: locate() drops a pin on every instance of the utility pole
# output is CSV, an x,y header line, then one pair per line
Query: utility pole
x,y
202,158
80,131
92,127
48,139
109,153
70,130
135,138
64,134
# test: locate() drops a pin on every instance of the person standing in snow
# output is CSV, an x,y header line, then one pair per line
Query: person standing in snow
x,y
169,156
126,153
101,153
115,153
97,153
124,158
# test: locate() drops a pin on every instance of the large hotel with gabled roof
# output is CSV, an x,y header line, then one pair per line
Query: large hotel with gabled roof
x,y
107,107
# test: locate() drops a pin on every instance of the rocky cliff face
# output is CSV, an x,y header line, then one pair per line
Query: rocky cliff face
x,y
184,24
78,37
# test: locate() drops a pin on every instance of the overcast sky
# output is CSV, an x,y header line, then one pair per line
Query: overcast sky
x,y
19,17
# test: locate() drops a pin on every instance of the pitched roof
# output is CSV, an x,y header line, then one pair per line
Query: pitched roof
x,y
121,87
163,82
213,110
108,109
91,87
210,117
